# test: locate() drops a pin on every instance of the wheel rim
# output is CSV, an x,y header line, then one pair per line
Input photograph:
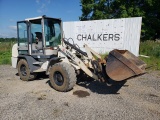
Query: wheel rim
x,y
23,70
58,78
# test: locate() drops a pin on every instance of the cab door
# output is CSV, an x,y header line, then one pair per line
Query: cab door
x,y
23,37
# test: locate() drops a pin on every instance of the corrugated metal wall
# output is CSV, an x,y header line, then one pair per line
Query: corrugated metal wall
x,y
105,35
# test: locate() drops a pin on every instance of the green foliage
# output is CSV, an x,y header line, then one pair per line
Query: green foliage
x,y
149,10
8,39
153,63
6,50
5,57
94,9
6,60
151,49
104,55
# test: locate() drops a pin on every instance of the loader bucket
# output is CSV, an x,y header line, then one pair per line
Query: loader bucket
x,y
122,64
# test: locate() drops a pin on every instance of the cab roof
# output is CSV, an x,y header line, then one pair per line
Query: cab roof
x,y
40,17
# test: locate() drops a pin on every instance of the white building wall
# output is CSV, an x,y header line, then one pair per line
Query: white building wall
x,y
132,34
105,35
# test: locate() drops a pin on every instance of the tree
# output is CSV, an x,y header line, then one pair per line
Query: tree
x,y
95,9
152,18
149,10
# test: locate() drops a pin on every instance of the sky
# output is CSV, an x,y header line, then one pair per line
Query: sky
x,y
12,11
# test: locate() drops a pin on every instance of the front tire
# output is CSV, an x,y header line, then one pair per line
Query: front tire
x,y
62,77
24,71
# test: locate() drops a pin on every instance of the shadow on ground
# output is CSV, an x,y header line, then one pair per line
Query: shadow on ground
x,y
100,87
40,76
91,84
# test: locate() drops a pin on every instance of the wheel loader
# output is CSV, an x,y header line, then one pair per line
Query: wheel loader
x,y
41,47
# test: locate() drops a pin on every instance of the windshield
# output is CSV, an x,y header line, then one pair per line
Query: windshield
x,y
52,32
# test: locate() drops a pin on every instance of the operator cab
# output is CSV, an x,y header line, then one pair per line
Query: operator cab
x,y
39,36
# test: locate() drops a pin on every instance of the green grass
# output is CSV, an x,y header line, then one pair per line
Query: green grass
x,y
5,52
104,55
151,49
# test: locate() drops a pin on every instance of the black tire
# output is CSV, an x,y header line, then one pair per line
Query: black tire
x,y
62,77
24,71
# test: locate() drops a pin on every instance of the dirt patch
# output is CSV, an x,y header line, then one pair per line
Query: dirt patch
x,y
41,97
153,95
81,93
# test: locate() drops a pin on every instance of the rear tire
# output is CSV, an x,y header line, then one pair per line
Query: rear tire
x,y
62,77
24,71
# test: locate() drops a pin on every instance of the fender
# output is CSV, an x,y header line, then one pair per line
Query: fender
x,y
30,60
53,61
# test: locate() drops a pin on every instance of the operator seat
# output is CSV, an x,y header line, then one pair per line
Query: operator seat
x,y
39,45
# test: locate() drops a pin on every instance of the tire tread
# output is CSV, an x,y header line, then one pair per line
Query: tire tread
x,y
71,75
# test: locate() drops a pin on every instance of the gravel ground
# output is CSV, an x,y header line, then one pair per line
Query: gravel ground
x,y
135,99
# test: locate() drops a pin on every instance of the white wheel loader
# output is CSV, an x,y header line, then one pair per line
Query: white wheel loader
x,y
42,48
